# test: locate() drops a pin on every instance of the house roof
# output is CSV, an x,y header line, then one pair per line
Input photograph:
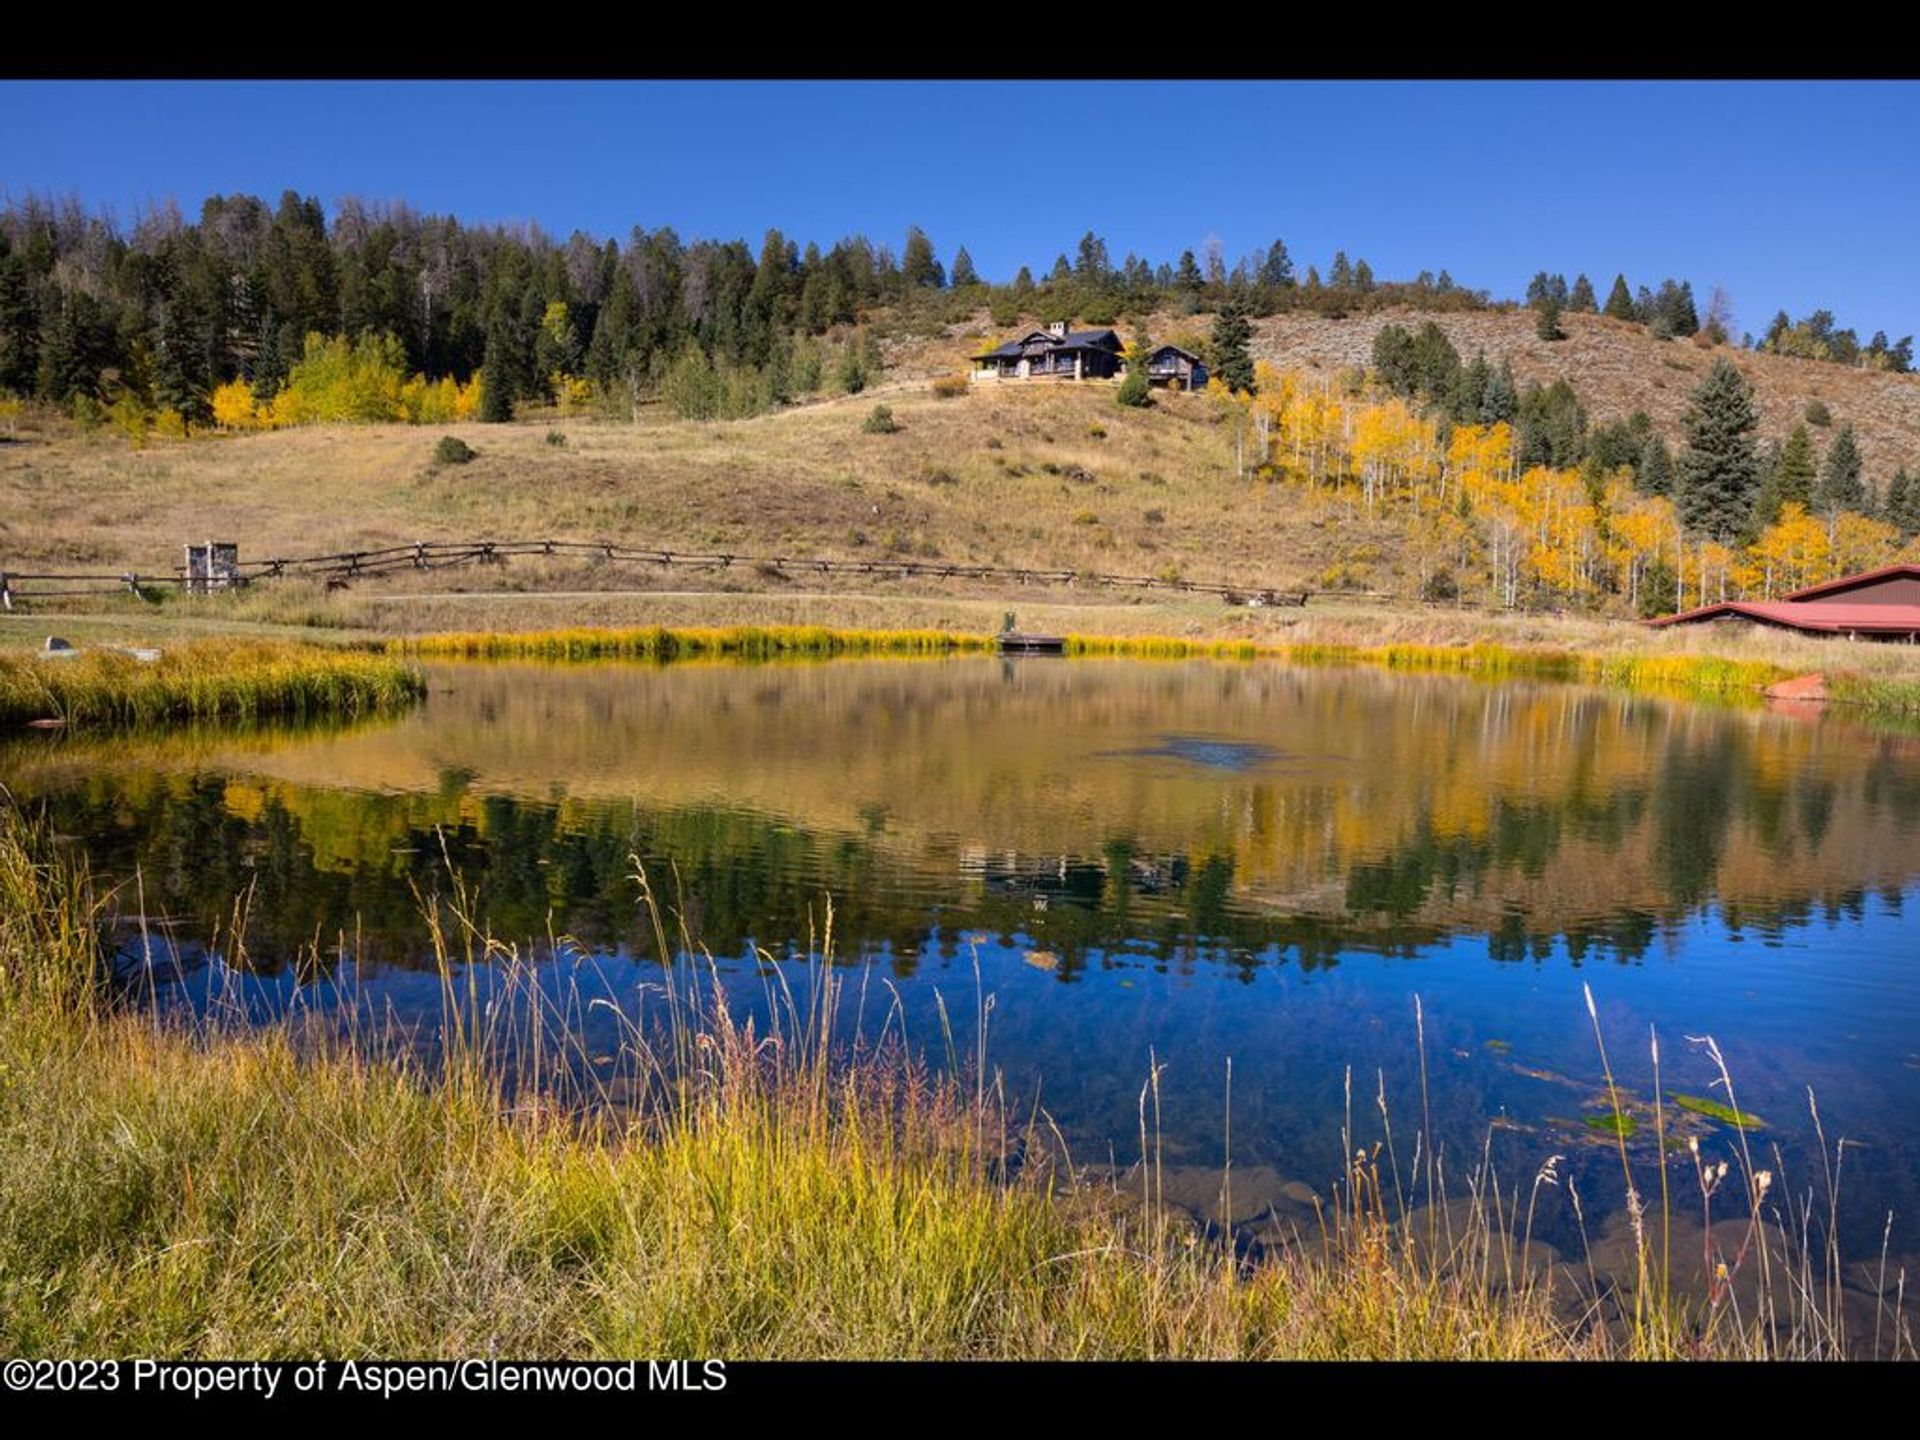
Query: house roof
x,y
1826,618
1851,582
1072,340
1163,349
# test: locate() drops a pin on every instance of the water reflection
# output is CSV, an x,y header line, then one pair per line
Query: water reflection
x,y
1189,861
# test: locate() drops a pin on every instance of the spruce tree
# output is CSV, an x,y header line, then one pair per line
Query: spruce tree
x,y
1840,486
1719,470
1903,504
963,271
1232,360
919,267
496,384
1791,482
1620,300
1135,390
1548,327
1501,402
1277,269
1582,297
1340,277
1655,475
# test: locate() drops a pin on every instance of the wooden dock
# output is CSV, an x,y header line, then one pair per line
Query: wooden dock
x,y
1014,642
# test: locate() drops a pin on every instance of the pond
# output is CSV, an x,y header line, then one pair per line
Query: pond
x,y
1143,864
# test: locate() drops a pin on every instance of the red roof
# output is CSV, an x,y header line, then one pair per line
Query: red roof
x,y
1849,582
1827,618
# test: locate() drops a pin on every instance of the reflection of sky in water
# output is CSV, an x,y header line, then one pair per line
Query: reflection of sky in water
x,y
1180,862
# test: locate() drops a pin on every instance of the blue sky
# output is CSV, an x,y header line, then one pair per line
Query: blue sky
x,y
1791,195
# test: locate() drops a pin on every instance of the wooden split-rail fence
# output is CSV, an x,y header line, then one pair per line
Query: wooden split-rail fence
x,y
342,568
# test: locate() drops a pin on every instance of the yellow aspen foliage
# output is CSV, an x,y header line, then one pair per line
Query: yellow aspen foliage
x,y
466,403
573,393
1860,543
1793,552
234,407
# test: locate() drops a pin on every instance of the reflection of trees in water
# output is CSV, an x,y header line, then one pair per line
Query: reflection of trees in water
x,y
321,862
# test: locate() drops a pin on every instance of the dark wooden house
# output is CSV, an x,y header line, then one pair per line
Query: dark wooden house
x,y
1177,369
1055,353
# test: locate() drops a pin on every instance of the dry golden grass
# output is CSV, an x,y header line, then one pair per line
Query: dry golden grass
x,y
1012,475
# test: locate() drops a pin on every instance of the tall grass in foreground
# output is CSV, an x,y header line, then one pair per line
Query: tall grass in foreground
x,y
781,1189
742,642
204,680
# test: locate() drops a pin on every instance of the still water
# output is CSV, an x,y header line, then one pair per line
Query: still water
x,y
1141,863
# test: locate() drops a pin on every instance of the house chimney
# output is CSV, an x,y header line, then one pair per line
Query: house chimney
x,y
1057,329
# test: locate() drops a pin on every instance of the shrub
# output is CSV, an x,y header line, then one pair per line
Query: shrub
x,y
1156,517
1086,517
940,475
1096,432
880,421
1818,414
452,450
951,387
1440,586
556,437
1134,392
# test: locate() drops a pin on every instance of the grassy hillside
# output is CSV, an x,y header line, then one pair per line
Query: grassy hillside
x,y
1615,366
1053,476
1048,476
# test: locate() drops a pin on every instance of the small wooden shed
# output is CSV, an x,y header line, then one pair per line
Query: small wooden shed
x,y
1177,369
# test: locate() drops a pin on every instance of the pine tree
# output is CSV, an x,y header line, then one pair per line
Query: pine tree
x,y
1620,300
1903,503
1501,403
1340,277
1232,360
1135,391
1277,268
1470,390
1188,276
1363,277
1840,486
1788,481
919,267
496,384
1655,476
1582,297
1548,326
963,271
1719,470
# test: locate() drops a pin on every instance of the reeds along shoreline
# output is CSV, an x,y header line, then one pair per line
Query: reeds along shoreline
x,y
214,1187
744,642
1704,676
204,680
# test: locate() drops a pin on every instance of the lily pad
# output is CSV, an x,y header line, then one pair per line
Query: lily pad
x,y
1714,1110
1613,1122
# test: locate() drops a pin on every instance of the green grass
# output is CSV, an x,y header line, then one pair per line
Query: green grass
x,y
203,680
738,642
216,1189
1716,1110
1621,1124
